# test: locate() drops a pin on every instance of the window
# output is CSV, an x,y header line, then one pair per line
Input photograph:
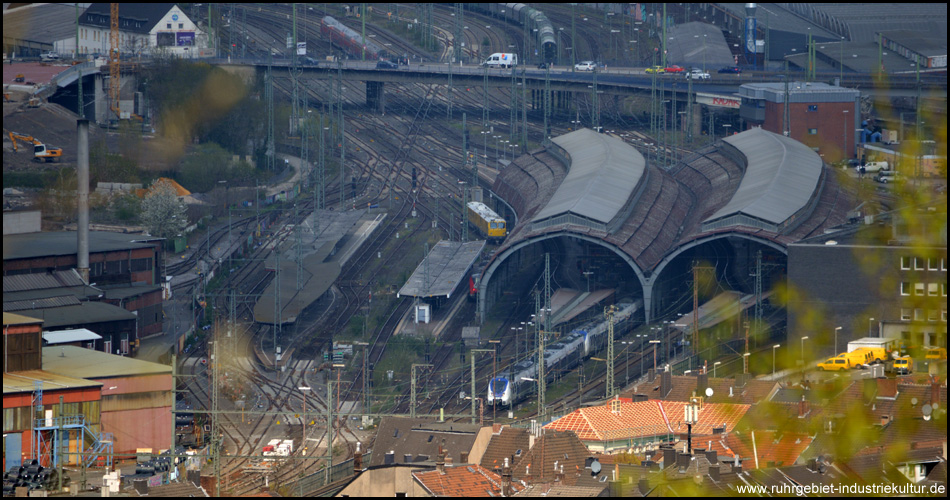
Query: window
x,y
918,263
813,131
181,26
932,264
943,315
932,315
107,346
919,289
932,289
905,288
943,289
905,314
168,26
812,107
905,263
918,314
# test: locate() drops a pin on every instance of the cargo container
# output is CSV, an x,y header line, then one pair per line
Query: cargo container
x,y
886,346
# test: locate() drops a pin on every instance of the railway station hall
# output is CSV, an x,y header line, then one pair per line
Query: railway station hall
x,y
608,218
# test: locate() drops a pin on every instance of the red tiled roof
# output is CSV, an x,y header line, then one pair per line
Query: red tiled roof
x,y
553,447
463,481
645,419
782,449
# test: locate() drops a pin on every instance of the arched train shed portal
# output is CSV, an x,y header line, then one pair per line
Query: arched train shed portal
x,y
608,219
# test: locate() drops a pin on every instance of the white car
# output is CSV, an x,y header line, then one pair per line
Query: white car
x,y
697,74
585,66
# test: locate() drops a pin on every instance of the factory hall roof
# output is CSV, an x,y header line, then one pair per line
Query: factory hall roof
x,y
604,171
46,244
24,381
77,362
780,178
66,336
68,311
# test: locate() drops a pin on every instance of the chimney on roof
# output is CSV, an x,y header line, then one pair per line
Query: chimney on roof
x,y
934,391
682,461
666,383
702,382
558,473
82,175
644,486
496,428
714,472
803,407
389,458
448,459
736,465
886,387
463,457
357,459
506,480
440,462
712,457
527,473
669,456
407,458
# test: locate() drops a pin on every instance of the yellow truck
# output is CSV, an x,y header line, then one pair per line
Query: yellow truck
x,y
854,359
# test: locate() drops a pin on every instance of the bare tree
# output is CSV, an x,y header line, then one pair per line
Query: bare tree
x,y
162,212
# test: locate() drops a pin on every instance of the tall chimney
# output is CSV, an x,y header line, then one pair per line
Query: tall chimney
x,y
357,459
440,463
506,480
82,233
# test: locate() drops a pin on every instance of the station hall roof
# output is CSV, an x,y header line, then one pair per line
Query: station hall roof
x,y
781,176
24,381
603,173
448,263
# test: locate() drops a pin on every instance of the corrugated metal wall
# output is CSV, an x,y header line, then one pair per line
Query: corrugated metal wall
x,y
145,428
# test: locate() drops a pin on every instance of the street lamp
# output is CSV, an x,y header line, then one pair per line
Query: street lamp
x,y
303,437
588,273
836,339
745,362
654,342
803,350
774,347
870,322
717,363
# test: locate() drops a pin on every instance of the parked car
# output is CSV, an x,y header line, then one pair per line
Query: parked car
x,y
731,69
656,69
585,66
674,69
697,74
384,64
886,176
544,65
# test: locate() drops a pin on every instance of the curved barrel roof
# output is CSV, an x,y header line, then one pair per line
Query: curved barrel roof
x,y
780,177
603,174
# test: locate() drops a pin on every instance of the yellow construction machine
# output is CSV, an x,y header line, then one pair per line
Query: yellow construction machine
x,y
40,151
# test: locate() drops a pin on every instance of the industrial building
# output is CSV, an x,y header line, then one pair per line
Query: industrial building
x,y
820,116
878,279
122,300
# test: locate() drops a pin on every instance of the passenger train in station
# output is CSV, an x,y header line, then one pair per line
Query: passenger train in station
x,y
519,381
529,17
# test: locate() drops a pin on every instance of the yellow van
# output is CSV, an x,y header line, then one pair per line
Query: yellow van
x,y
936,353
837,363
904,365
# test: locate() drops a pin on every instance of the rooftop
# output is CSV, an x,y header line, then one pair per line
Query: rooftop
x,y
67,336
510,442
421,438
86,363
441,271
809,92
18,319
462,481
19,382
46,244
603,173
781,177
68,313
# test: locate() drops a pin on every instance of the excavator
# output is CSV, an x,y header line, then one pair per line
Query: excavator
x,y
40,151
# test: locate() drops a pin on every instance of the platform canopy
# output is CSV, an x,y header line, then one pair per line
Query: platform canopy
x,y
440,272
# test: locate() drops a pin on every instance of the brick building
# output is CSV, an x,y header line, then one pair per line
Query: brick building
x,y
821,116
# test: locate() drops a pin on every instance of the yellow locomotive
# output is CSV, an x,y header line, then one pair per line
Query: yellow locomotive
x,y
486,220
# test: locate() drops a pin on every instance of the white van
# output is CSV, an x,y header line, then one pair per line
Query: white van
x,y
502,60
872,167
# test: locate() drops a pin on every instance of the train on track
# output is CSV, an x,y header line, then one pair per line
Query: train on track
x,y
533,19
351,41
487,221
517,382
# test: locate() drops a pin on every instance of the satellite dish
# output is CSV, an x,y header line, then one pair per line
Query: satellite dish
x,y
595,467
927,410
913,401
709,392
